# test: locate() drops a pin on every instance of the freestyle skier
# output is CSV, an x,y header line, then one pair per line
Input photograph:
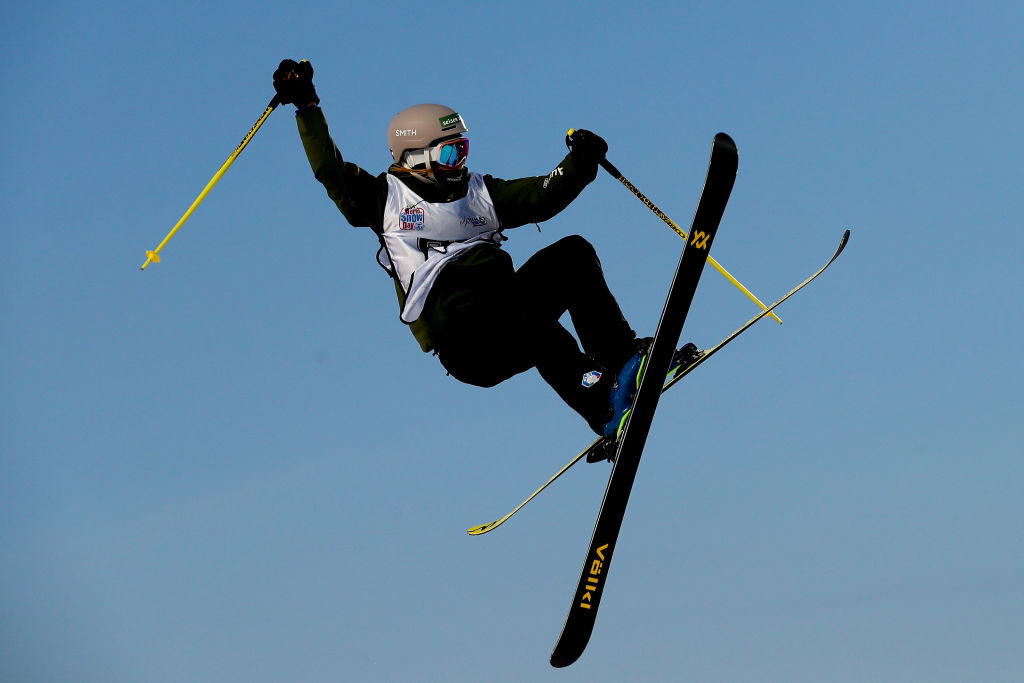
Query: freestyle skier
x,y
440,228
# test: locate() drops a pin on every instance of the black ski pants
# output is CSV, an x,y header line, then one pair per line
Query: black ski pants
x,y
519,329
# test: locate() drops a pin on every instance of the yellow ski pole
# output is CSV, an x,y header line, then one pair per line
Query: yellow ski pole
x,y
154,256
614,172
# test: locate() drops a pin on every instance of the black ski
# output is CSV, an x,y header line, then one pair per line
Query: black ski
x,y
579,624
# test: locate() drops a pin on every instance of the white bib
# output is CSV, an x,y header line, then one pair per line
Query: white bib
x,y
420,238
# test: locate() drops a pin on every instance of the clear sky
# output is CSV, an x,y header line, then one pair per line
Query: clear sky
x,y
238,466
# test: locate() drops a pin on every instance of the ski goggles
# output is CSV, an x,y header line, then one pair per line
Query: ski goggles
x,y
450,153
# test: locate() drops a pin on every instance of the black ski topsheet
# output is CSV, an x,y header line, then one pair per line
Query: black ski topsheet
x,y
579,624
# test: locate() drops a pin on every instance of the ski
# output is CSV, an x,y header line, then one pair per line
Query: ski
x,y
675,378
718,184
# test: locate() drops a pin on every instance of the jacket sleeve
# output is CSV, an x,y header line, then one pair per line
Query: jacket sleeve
x,y
537,199
359,195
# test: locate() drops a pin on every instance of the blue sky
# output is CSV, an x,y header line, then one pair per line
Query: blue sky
x,y
237,465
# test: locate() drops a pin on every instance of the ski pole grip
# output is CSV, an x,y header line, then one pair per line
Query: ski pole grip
x,y
608,166
605,164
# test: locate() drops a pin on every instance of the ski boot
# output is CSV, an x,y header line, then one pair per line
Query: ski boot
x,y
624,391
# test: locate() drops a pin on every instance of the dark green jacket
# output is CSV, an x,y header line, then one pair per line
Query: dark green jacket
x,y
361,197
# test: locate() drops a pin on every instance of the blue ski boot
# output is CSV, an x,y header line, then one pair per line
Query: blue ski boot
x,y
624,391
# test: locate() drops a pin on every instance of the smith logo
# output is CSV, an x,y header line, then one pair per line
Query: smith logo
x,y
700,239
411,219
405,132
594,580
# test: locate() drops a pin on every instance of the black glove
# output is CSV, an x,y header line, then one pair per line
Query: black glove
x,y
293,82
585,146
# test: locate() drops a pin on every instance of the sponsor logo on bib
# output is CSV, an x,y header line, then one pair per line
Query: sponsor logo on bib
x,y
411,219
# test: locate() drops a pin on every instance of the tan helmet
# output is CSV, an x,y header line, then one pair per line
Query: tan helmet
x,y
418,126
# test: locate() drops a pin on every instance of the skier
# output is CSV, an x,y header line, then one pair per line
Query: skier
x,y
441,227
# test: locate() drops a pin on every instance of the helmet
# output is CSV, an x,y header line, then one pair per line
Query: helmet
x,y
418,126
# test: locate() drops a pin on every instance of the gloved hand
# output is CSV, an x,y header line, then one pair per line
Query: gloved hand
x,y
585,146
293,82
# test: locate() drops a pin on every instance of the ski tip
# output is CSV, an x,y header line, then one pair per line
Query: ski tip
x,y
563,657
723,140
842,244
482,529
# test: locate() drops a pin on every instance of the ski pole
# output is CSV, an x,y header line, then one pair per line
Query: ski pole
x,y
615,173
154,256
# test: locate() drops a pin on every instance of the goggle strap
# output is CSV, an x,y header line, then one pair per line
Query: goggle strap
x,y
414,157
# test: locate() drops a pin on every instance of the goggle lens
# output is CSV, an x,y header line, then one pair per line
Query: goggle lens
x,y
452,153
